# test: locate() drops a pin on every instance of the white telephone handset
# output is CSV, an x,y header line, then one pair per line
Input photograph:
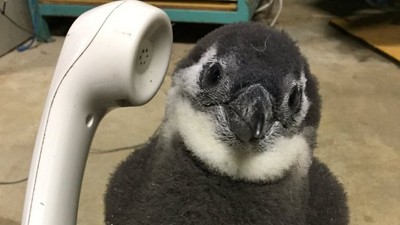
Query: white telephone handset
x,y
114,55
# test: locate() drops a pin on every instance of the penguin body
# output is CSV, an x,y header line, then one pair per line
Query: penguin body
x,y
236,143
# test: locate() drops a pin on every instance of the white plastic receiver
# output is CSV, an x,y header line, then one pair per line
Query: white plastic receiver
x,y
114,55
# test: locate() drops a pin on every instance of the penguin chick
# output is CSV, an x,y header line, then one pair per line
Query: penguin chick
x,y
236,143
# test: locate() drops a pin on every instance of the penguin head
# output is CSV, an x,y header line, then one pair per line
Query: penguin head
x,y
245,104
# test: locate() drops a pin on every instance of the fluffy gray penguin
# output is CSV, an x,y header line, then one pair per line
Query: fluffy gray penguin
x,y
236,144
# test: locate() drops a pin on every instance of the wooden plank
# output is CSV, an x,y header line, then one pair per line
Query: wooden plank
x,y
190,5
192,0
380,32
75,2
222,6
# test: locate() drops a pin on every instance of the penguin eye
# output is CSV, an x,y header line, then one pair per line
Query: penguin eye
x,y
212,75
294,101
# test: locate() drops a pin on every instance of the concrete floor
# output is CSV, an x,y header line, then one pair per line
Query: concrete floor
x,y
358,136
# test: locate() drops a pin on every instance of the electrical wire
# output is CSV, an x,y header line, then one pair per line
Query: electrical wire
x,y
268,5
13,182
278,13
9,19
133,147
265,6
15,23
93,151
100,151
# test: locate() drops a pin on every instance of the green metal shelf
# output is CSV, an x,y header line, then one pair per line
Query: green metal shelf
x,y
244,12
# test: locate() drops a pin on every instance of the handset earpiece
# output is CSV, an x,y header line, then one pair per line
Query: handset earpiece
x,y
114,55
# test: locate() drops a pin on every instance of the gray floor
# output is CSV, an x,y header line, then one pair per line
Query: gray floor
x,y
358,136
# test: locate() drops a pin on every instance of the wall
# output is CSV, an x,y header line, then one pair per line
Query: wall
x,y
10,35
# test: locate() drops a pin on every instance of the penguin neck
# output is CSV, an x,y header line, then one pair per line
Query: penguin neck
x,y
198,134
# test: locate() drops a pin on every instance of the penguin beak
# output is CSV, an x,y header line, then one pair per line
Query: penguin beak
x,y
250,114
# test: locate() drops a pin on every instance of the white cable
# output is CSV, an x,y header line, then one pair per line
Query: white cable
x,y
265,6
268,5
278,13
